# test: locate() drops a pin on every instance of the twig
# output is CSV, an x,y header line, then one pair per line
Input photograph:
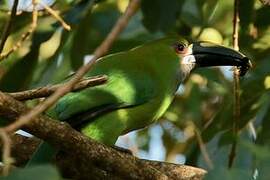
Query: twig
x,y
236,113
25,35
265,2
22,148
6,158
55,15
203,148
48,90
101,50
7,28
32,28
252,131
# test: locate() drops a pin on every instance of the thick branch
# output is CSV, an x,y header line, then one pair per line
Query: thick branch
x,y
24,147
88,153
48,90
62,136
176,171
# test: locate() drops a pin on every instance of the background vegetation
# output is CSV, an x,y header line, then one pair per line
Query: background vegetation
x,y
200,118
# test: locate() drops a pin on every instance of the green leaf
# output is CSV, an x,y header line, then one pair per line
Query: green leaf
x,y
226,174
191,13
143,140
262,19
246,13
92,29
261,152
264,133
222,120
160,15
44,172
253,98
76,11
20,22
54,71
261,156
209,10
18,77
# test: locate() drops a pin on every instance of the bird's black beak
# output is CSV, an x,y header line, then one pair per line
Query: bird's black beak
x,y
207,54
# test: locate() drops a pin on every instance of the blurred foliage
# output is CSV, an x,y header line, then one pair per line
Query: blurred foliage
x,y
204,102
44,172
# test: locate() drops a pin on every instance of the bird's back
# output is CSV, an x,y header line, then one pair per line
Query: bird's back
x,y
137,88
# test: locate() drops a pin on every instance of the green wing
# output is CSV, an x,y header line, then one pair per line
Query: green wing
x,y
128,85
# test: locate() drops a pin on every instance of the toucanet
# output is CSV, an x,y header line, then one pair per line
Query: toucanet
x,y
141,85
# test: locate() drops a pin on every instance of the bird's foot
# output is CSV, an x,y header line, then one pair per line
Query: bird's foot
x,y
123,150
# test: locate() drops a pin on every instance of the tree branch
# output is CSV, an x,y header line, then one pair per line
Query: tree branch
x,y
48,90
176,171
55,15
90,155
24,36
23,148
6,158
7,28
236,87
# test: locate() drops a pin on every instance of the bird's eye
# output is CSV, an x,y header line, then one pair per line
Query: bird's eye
x,y
180,48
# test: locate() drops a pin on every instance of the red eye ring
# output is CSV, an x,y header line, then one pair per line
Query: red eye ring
x,y
180,48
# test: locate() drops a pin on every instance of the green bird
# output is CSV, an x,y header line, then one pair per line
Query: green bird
x,y
141,85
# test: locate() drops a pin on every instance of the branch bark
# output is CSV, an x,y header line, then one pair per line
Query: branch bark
x,y
7,28
23,148
91,156
48,90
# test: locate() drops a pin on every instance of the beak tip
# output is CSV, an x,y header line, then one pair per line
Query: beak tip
x,y
245,66
209,54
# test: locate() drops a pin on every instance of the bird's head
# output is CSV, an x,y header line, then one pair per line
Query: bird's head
x,y
206,54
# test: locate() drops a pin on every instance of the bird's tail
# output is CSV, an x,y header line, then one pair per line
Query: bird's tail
x,y
45,152
43,155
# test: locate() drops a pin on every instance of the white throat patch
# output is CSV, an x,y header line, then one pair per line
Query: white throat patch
x,y
188,59
187,64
